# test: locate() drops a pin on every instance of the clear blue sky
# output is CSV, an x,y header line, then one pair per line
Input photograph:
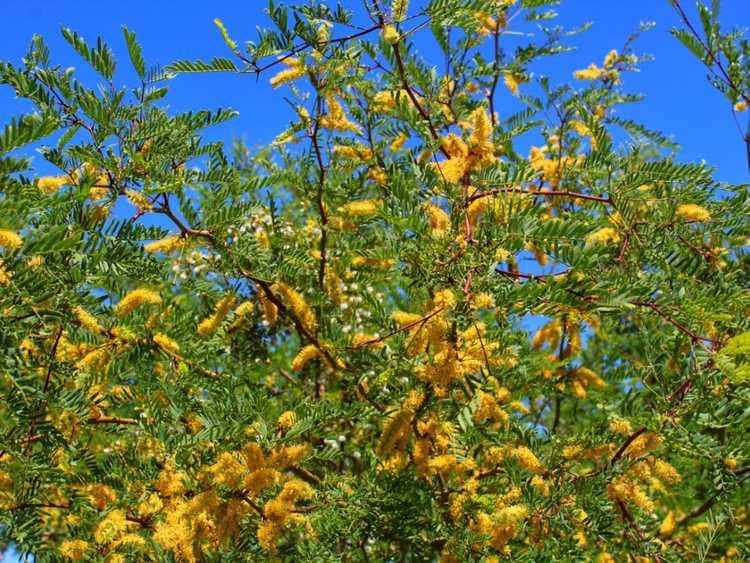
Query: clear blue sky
x,y
679,100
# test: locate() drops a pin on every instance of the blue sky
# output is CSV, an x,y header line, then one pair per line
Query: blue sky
x,y
679,101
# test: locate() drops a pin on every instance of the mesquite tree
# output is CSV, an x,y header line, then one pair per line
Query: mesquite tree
x,y
455,311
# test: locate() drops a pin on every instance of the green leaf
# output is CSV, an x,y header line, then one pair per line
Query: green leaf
x,y
100,58
217,64
27,129
134,50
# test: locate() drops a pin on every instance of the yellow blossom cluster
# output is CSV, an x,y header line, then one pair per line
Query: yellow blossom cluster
x,y
386,101
165,245
166,343
605,235
139,200
9,240
189,521
501,525
210,324
465,157
438,219
87,320
581,378
135,299
353,152
336,119
51,184
552,169
593,72
693,213
298,305
449,360
295,70
361,208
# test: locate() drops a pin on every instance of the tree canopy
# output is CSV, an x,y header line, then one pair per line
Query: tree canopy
x,y
415,327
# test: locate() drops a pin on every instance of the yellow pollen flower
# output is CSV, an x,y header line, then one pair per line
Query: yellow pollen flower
x,y
51,184
361,208
298,305
296,70
165,245
139,200
166,343
605,235
305,355
390,34
210,324
75,550
593,72
9,240
693,213
135,299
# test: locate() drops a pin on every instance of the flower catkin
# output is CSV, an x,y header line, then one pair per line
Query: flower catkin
x,y
304,356
361,208
210,324
693,213
296,69
87,320
298,305
165,245
135,299
139,200
166,343
51,184
9,240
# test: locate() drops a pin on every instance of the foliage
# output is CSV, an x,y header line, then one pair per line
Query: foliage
x,y
726,56
321,350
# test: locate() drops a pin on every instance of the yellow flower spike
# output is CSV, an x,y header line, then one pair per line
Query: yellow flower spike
x,y
211,324
526,459
361,208
513,82
305,356
399,9
668,525
135,299
113,525
390,34
51,184
438,220
605,235
693,213
593,72
75,550
296,70
139,200
9,240
298,305
286,420
398,142
611,59
165,245
166,343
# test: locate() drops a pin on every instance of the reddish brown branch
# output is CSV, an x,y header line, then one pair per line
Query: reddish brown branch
x,y
625,445
545,193
671,320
